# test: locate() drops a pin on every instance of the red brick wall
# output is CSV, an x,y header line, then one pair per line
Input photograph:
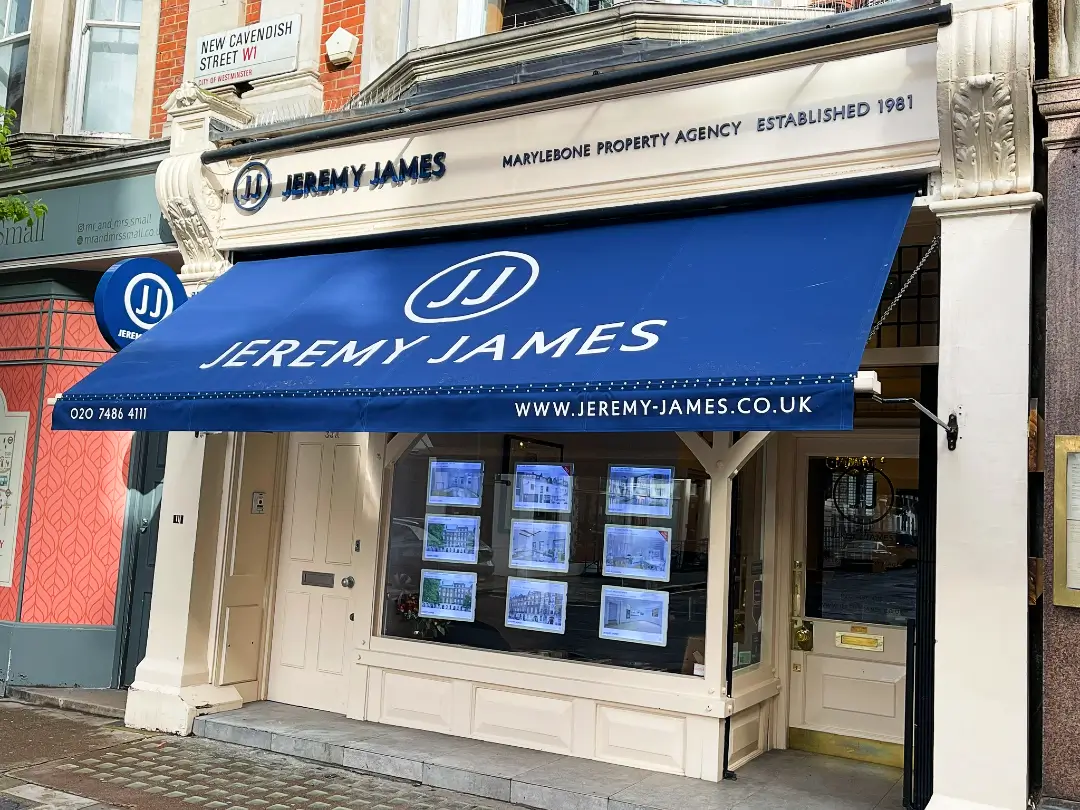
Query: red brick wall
x,y
339,84
169,69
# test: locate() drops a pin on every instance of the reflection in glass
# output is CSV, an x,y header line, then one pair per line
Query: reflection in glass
x,y
862,539
748,548
130,11
14,17
109,94
13,76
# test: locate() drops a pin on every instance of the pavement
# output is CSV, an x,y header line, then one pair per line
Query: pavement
x,y
103,702
51,759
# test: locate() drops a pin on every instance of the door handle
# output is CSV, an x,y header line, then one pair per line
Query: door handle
x,y
802,631
796,590
347,582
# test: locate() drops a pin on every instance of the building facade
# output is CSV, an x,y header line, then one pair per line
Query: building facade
x,y
76,559
1058,97
722,147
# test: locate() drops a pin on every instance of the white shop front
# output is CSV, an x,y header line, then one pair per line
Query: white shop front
x,y
554,424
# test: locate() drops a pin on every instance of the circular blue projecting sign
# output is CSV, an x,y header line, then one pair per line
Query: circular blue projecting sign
x,y
133,296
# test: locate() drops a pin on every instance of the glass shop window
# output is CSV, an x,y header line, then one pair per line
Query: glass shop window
x,y
583,547
14,48
107,37
748,547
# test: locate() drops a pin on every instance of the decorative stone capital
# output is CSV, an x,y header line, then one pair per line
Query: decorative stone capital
x,y
984,102
194,114
191,196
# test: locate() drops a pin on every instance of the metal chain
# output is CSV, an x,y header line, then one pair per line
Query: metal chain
x,y
904,289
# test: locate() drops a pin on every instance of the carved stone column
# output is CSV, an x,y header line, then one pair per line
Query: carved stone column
x,y
191,194
984,207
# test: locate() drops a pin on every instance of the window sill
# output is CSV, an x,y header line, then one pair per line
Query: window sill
x,y
683,694
755,686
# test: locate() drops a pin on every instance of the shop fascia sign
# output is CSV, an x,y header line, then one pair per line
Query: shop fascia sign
x,y
257,51
93,217
841,118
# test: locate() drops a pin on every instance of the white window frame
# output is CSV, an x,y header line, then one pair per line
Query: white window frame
x,y
10,39
80,52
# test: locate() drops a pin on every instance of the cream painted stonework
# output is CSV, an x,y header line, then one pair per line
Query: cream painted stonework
x,y
859,116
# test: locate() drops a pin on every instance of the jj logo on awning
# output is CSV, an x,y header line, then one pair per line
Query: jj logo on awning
x,y
472,288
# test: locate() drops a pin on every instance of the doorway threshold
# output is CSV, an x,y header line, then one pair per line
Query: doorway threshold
x,y
778,780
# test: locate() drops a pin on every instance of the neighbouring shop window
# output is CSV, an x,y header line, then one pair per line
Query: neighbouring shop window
x,y
104,79
584,547
914,320
14,47
748,545
862,539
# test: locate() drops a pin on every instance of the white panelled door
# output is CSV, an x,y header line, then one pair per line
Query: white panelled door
x,y
313,625
854,584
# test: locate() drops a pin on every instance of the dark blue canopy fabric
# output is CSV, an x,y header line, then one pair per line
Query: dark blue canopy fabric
x,y
741,321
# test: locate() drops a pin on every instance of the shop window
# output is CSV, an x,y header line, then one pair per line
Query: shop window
x,y
103,73
748,545
862,534
14,47
585,547
914,321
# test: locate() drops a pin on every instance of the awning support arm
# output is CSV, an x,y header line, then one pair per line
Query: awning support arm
x,y
951,427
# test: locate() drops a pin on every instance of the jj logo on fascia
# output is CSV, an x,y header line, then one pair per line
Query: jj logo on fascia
x,y
464,291
252,187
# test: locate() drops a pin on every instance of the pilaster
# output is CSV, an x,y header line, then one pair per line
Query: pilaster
x,y
172,684
984,204
981,669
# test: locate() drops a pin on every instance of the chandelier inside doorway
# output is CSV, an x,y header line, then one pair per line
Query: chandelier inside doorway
x,y
861,491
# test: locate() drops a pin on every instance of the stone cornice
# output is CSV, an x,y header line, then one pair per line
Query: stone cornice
x,y
663,22
98,160
1059,104
35,148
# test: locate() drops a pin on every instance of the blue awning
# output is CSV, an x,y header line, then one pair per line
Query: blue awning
x,y
748,320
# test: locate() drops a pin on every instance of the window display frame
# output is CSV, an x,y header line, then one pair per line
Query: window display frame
x,y
681,694
553,568
471,559
631,573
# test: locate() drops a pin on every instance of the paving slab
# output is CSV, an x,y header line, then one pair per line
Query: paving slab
x,y
223,776
29,734
781,780
663,791
100,702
